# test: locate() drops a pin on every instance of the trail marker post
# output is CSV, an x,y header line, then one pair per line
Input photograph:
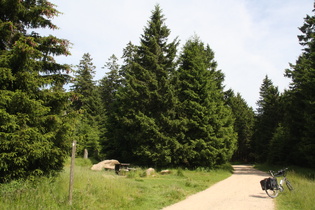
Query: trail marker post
x,y
72,171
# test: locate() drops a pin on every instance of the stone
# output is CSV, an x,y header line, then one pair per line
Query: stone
x,y
165,172
105,164
150,171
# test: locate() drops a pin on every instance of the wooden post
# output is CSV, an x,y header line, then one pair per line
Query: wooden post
x,y
86,154
72,171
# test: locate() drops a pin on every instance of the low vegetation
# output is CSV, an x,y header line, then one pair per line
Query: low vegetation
x,y
303,181
105,190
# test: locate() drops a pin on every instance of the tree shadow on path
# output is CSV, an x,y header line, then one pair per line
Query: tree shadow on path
x,y
247,170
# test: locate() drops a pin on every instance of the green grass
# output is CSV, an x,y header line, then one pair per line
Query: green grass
x,y
105,190
302,197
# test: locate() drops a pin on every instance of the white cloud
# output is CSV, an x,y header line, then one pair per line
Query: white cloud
x,y
251,38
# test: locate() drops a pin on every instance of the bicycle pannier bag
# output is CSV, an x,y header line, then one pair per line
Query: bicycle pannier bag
x,y
273,183
263,183
268,184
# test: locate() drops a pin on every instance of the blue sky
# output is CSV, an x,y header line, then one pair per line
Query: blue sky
x,y
250,38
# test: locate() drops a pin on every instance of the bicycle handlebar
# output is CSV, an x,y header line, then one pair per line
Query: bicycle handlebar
x,y
279,173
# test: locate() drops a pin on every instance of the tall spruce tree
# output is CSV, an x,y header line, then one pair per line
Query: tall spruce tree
x,y
144,110
243,126
206,136
114,143
300,106
110,83
88,103
34,121
108,88
268,117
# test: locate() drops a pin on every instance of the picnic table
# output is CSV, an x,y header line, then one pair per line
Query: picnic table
x,y
122,168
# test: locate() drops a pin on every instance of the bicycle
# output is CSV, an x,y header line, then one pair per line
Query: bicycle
x,y
271,186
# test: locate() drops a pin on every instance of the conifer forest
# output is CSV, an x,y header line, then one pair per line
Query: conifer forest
x,y
159,105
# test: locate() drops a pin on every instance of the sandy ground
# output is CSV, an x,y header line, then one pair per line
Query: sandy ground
x,y
240,191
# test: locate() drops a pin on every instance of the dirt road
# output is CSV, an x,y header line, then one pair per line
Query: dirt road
x,y
241,191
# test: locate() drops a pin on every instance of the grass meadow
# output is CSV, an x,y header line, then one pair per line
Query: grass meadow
x,y
303,195
105,190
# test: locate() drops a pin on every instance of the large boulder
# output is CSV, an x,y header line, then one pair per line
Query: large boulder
x,y
105,164
165,172
150,171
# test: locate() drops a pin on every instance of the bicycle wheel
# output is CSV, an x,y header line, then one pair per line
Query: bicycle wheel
x,y
289,185
272,193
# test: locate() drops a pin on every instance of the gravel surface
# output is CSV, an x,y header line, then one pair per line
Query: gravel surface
x,y
240,191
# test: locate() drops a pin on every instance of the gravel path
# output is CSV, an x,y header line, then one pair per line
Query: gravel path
x,y
240,191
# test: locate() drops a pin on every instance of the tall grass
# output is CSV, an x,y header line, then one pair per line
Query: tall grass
x,y
302,197
105,190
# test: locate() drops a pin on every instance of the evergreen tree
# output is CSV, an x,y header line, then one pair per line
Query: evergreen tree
x,y
143,116
279,148
113,142
300,106
34,120
206,132
243,126
110,83
108,88
88,103
268,117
